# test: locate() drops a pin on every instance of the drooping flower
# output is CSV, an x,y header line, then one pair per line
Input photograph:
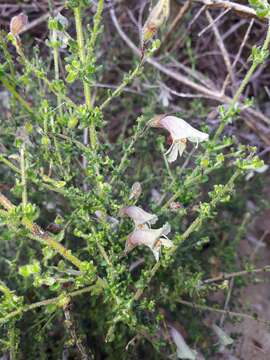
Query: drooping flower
x,y
180,132
152,238
138,215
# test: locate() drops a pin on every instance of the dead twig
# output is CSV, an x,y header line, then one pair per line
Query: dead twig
x,y
221,45
241,9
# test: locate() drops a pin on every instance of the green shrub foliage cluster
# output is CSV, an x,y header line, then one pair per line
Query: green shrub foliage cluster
x,y
68,283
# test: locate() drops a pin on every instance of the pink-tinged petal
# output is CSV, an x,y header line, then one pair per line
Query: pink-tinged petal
x,y
138,215
180,129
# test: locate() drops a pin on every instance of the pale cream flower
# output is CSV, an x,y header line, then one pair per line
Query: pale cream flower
x,y
152,238
180,132
138,215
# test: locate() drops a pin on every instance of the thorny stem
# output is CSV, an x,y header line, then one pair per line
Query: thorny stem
x,y
87,92
58,96
41,235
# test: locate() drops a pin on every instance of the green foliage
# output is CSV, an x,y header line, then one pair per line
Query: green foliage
x,y
66,175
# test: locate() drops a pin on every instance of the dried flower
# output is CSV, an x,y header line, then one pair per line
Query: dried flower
x,y
156,18
152,238
183,350
138,215
136,191
18,23
180,132
224,339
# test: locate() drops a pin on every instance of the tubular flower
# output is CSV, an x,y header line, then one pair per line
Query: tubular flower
x,y
180,132
152,238
138,215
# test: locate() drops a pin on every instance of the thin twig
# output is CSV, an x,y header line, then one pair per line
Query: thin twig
x,y
221,45
226,81
220,311
225,276
242,9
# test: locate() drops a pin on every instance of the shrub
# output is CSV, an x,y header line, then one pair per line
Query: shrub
x,y
101,239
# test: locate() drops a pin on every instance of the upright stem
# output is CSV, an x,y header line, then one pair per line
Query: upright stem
x,y
82,55
23,176
56,64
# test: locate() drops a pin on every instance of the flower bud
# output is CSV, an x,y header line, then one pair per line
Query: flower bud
x,y
136,191
18,23
157,17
